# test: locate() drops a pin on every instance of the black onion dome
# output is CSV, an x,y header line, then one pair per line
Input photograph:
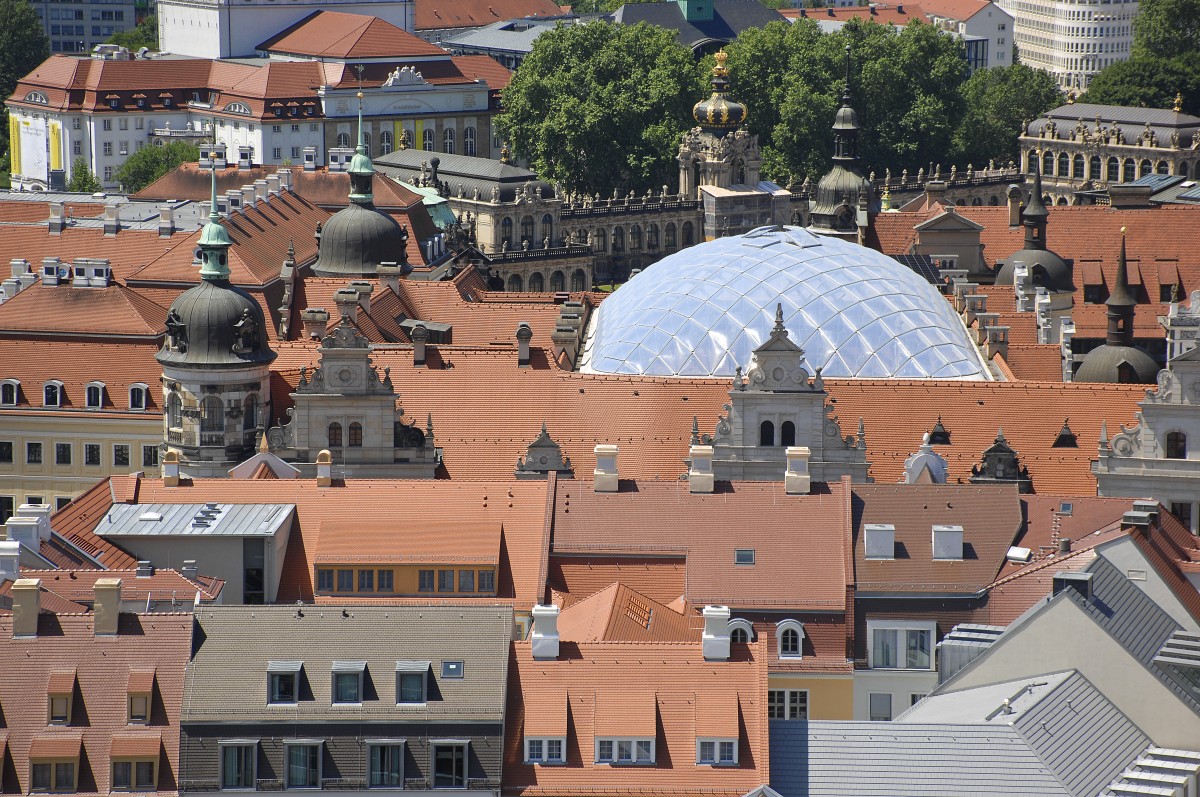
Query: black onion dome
x,y
718,112
215,324
356,240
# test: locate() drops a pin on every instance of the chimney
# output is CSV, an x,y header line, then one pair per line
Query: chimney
x,y
1064,580
1064,545
935,191
524,335
700,474
310,159
879,539
24,530
219,155
1014,206
316,322
605,474
543,639
1127,195
58,218
273,184
1137,519
189,569
997,341
26,606
107,607
260,190
10,560
324,469
50,267
285,179
948,543
144,569
419,335
364,290
170,469
233,200
389,274
346,300
166,221
1150,507
38,516
245,161
715,642
796,479
18,267
248,198
112,219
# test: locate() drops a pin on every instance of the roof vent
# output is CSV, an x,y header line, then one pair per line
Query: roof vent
x,y
1079,582
1147,506
1136,518
144,569
150,516
1019,555
880,540
947,543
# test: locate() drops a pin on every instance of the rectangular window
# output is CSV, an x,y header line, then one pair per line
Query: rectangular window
x,y
108,148
76,148
543,751
425,581
533,749
139,708
452,669
121,456
347,687
1180,509
276,153
445,581
237,766
62,453
133,776
743,556
276,128
56,776
625,751
6,451
366,580
281,688
60,709
903,648
915,698
385,582
345,581
466,580
303,766
108,173
149,456
106,125
324,580
881,706
33,453
728,752
60,501
450,766
295,152
787,704
387,766
487,581
410,687
91,453
40,777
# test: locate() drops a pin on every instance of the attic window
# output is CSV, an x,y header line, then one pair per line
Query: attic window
x,y
38,97
1065,508
743,556
452,669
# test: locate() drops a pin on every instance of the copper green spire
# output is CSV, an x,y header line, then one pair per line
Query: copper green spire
x,y
214,240
361,168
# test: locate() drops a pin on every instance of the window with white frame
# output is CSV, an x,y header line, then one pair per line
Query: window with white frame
x,y
544,749
9,390
880,706
138,396
410,682
790,636
239,760
787,704
348,681
95,395
740,630
717,752
52,394
901,645
303,770
385,763
624,751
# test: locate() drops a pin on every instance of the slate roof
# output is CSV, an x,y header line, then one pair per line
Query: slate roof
x,y
469,173
226,678
729,18
1131,120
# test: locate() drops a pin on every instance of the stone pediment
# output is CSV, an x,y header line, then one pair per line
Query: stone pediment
x,y
948,221
778,364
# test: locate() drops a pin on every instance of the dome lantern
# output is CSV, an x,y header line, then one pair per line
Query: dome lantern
x,y
718,112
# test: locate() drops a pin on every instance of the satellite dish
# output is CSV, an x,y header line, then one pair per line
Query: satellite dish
x,y
64,273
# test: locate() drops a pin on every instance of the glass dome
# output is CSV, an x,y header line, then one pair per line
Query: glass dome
x,y
855,312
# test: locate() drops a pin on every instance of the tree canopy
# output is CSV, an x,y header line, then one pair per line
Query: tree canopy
x,y
1148,82
149,163
144,35
82,179
997,101
601,107
1167,29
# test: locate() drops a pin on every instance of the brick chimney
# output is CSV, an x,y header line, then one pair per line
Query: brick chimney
x,y
605,474
524,335
700,474
26,606
420,336
107,606
316,322
715,642
796,479
544,636
324,468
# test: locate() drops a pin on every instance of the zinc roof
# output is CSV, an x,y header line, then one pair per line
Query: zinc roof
x,y
209,520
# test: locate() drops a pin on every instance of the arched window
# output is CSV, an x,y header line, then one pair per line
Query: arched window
x,y
212,414
537,283
1130,168
558,281
506,228
527,229
548,228
1145,168
8,392
618,239
791,637
1031,161
469,141
427,139
448,141
1113,172
174,411
335,435
976,201
1162,167
766,433
635,237
366,137
787,434
1077,167
652,236
993,200
52,394
1176,445
579,280
739,636
138,397
1064,165
95,396
514,283
238,107
250,412
740,630
1182,169
1047,163
1094,168
670,241
343,140
356,435
688,234
385,142
600,241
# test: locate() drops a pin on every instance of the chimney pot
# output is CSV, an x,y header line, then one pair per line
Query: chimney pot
x,y
700,474
170,469
26,606
316,322
524,335
544,638
346,300
166,221
364,289
1064,545
107,606
605,474
419,335
716,639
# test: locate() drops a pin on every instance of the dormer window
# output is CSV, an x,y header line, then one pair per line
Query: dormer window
x,y
410,682
138,396
790,634
95,395
348,681
283,681
113,103
624,751
167,101
52,394
140,693
9,390
543,750
60,693
717,752
740,630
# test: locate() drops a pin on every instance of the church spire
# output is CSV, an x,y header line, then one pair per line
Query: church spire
x,y
214,241
845,125
1035,214
1121,304
362,170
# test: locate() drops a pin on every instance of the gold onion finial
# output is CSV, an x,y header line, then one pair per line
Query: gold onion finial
x,y
1178,101
720,69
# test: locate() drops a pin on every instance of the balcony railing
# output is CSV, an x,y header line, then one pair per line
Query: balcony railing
x,y
212,438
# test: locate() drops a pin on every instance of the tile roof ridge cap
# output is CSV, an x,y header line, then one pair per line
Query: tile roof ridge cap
x,y
1058,558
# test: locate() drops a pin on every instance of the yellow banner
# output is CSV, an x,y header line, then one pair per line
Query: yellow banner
x,y
14,144
56,159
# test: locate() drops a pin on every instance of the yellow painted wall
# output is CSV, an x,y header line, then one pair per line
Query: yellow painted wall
x,y
829,698
406,579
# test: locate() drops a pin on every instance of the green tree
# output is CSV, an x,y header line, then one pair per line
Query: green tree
x,y
23,45
1148,82
1167,29
150,163
82,180
997,101
144,35
601,107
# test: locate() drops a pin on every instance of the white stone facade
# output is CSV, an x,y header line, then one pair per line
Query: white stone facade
x,y
1072,40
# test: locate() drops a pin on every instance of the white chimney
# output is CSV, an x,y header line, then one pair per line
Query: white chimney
x,y
879,540
166,221
346,300
10,560
112,219
605,474
715,643
170,469
797,480
24,530
948,543
26,606
50,267
700,474
420,336
248,199
389,274
107,607
260,190
544,636
324,468
40,514
285,179
524,335
273,184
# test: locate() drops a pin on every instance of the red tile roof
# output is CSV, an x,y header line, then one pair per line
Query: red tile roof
x,y
21,211
79,586
333,34
104,312
437,14
960,10
620,614
74,362
660,578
